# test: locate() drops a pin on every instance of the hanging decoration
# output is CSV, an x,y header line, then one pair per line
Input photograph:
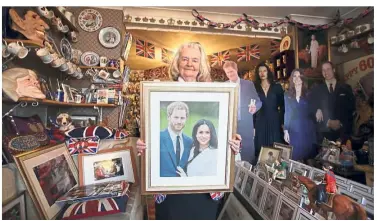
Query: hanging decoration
x,y
248,52
219,58
145,49
286,20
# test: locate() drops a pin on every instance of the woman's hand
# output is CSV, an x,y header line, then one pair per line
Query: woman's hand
x,y
235,143
286,136
140,146
181,172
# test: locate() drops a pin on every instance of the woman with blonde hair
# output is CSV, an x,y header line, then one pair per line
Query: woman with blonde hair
x,y
189,64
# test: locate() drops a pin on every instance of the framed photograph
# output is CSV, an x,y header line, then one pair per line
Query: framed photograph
x,y
259,191
108,165
174,117
249,184
270,203
287,151
68,96
312,49
302,214
48,174
317,175
234,210
301,169
15,209
238,184
292,195
84,121
269,155
286,209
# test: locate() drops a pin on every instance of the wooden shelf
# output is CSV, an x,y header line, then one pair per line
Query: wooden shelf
x,y
57,103
25,42
64,19
349,40
97,67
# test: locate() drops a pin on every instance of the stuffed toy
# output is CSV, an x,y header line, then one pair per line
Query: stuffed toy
x,y
65,122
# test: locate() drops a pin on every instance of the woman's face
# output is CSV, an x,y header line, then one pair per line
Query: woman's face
x,y
203,135
263,74
189,63
296,78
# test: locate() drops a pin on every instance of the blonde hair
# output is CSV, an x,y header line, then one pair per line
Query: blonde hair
x,y
231,64
10,77
178,105
204,68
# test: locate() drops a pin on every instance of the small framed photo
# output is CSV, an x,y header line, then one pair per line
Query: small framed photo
x,y
292,195
15,209
48,174
302,214
84,121
259,192
317,175
108,165
234,210
238,184
249,184
287,151
199,106
68,96
286,209
301,169
269,155
270,203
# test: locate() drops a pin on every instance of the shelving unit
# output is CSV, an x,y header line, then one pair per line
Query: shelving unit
x,y
57,103
349,40
97,67
284,62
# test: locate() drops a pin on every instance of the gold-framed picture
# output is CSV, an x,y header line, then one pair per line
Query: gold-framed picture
x,y
186,127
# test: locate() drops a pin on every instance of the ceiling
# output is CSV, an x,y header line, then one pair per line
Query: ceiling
x,y
211,44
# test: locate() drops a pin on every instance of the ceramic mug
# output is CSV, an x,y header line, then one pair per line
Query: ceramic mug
x,y
5,51
344,48
17,48
58,62
73,36
61,9
78,98
45,55
103,61
370,39
68,15
64,66
65,29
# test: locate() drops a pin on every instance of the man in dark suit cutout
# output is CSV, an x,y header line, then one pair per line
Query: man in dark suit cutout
x,y
174,145
245,124
333,104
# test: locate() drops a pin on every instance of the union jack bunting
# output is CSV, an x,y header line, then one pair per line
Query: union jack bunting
x,y
219,57
166,55
247,52
274,46
87,145
144,49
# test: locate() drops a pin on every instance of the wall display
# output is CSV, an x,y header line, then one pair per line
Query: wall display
x,y
269,155
234,210
286,209
48,174
89,58
207,107
312,51
285,43
109,37
114,164
90,20
287,151
15,209
84,121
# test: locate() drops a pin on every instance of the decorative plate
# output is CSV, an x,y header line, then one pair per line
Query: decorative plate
x,y
90,58
285,43
90,20
66,49
109,37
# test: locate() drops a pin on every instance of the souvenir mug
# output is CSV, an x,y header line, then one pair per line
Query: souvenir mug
x,y
5,51
58,62
17,48
370,39
68,15
344,48
44,54
103,61
45,12
64,65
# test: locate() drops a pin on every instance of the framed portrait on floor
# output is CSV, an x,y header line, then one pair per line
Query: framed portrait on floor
x,y
269,205
15,209
287,150
186,127
48,174
108,165
234,210
286,209
259,193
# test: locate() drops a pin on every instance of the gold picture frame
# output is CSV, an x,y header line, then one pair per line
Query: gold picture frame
x,y
48,173
159,161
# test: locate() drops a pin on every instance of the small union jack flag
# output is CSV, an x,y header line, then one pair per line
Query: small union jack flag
x,y
274,46
247,52
144,49
166,55
217,195
84,209
87,145
219,57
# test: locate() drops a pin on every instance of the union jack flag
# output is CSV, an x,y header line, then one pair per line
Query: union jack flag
x,y
247,52
87,145
274,46
219,57
84,209
144,49
166,55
